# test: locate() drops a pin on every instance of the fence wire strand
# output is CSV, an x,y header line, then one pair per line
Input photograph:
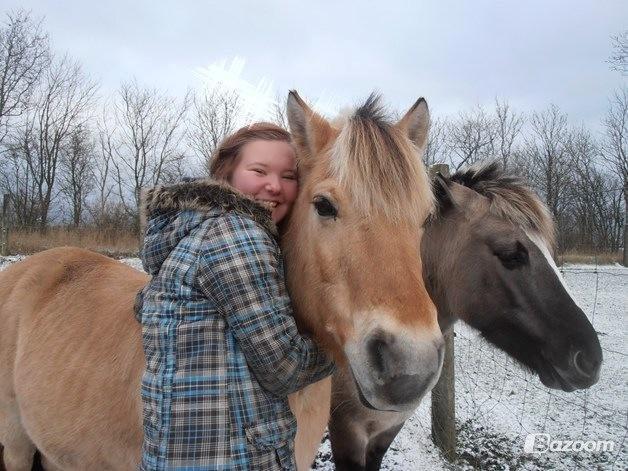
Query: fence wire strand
x,y
482,397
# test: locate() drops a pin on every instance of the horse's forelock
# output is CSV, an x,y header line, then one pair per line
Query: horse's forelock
x,y
510,198
379,166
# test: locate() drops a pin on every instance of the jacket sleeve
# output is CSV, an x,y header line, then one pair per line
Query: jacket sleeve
x,y
240,272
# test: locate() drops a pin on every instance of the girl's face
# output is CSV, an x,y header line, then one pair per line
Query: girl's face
x,y
267,171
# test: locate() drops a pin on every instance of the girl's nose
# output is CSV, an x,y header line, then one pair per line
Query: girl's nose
x,y
273,186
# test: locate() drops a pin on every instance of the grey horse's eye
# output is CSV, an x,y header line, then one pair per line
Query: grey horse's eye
x,y
515,257
324,207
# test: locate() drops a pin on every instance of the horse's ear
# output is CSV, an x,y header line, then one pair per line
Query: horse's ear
x,y
310,131
416,123
442,193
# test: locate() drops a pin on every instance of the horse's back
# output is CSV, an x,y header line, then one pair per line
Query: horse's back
x,y
64,288
75,345
9,278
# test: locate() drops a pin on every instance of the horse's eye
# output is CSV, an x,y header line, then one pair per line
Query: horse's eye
x,y
325,208
513,258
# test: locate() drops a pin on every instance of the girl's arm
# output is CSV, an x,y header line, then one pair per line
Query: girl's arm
x,y
239,272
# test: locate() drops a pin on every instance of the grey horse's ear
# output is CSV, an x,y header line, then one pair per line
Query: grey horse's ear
x,y
416,124
442,193
310,131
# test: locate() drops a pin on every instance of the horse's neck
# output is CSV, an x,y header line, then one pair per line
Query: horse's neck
x,y
436,288
446,319
446,322
311,398
310,406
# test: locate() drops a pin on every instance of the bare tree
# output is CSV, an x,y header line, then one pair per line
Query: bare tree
x,y
16,180
593,208
77,171
547,158
146,140
616,149
215,115
62,103
508,124
24,55
471,137
278,110
619,59
102,170
437,143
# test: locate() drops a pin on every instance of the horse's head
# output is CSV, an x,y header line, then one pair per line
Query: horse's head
x,y
487,261
352,249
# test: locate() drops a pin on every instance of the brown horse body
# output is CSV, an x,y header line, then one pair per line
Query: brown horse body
x,y
70,348
108,375
74,361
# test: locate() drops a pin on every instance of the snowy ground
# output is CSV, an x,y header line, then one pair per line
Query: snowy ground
x,y
498,404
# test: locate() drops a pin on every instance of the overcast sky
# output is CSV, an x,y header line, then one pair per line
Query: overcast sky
x,y
454,53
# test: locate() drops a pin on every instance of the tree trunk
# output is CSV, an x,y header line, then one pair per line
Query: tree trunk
x,y
625,258
4,227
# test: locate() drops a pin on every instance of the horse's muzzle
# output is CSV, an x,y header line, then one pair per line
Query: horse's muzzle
x,y
393,372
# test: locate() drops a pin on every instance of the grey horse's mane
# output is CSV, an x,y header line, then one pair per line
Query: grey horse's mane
x,y
511,198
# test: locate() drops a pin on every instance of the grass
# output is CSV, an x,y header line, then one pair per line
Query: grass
x,y
588,258
123,242
109,241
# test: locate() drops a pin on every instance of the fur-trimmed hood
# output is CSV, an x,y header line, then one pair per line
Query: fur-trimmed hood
x,y
171,212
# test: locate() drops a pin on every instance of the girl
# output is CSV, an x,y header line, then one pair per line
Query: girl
x,y
222,348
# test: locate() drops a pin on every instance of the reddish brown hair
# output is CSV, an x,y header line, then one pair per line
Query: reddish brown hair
x,y
226,155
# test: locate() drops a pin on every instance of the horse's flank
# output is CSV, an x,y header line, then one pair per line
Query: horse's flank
x,y
58,305
99,407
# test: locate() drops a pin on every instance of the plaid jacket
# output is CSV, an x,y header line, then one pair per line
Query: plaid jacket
x,y
222,348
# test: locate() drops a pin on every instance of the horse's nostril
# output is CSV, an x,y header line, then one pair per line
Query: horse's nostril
x,y
585,366
378,353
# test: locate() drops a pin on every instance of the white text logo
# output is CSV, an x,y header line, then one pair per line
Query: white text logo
x,y
542,443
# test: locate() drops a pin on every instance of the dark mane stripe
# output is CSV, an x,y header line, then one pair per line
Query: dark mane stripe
x,y
510,197
379,165
372,110
477,177
373,138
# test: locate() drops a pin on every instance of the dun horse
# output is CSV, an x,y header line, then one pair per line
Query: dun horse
x,y
486,260
70,348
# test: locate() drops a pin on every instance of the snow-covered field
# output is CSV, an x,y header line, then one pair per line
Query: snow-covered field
x,y
498,404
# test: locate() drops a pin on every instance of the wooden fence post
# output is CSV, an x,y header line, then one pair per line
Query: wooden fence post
x,y
4,226
444,393
444,404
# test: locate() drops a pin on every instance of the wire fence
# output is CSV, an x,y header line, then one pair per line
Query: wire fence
x,y
498,403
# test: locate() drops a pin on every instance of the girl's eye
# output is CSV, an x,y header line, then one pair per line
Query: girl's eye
x,y
259,171
290,177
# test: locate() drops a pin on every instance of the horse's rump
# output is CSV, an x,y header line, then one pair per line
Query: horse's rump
x,y
69,332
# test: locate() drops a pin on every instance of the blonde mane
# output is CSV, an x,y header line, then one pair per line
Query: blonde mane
x,y
380,167
510,198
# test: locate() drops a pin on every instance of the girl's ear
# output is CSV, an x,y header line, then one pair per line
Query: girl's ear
x,y
310,131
